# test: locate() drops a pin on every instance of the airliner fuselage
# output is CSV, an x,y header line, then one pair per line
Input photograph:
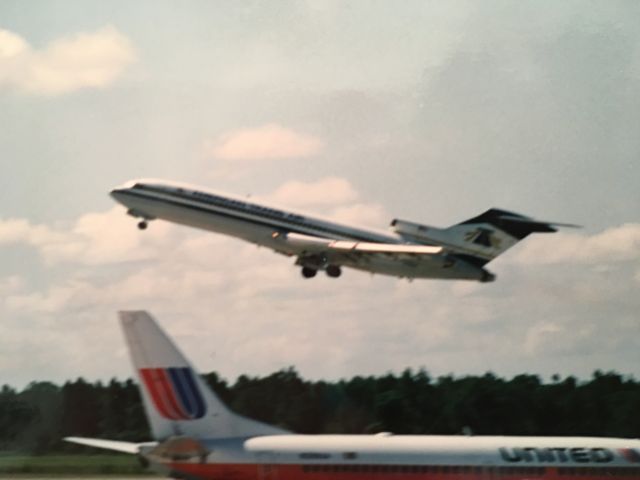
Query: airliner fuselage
x,y
287,232
411,251
389,457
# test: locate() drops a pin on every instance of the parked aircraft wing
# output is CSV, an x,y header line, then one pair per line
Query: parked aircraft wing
x,y
115,445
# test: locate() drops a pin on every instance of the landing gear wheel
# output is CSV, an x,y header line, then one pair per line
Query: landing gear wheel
x,y
334,271
308,272
142,225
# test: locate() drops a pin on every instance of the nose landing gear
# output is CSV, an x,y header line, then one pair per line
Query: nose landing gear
x,y
144,218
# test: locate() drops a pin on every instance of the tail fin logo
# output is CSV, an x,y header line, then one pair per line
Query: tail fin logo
x,y
174,392
484,237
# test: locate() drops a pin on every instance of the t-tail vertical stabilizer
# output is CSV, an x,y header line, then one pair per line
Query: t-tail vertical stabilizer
x,y
479,239
177,401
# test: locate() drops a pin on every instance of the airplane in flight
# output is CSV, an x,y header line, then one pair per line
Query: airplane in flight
x,y
199,438
411,251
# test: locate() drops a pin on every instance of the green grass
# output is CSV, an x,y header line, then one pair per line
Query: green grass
x,y
109,464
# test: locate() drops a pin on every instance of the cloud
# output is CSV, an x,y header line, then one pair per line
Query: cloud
x,y
11,284
107,237
332,197
21,231
93,239
370,214
540,335
616,244
268,142
83,60
330,191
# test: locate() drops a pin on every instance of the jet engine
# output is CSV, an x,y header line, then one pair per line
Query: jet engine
x,y
410,230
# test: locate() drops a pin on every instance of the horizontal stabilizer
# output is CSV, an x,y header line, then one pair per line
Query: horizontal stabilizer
x,y
514,224
521,219
115,445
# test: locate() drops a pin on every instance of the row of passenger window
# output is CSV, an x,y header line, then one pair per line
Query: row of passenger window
x,y
426,469
600,472
297,220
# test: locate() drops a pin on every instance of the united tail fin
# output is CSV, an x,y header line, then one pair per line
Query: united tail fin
x,y
176,399
481,238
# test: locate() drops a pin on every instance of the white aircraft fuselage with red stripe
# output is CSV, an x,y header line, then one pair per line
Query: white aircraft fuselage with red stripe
x,y
391,457
198,437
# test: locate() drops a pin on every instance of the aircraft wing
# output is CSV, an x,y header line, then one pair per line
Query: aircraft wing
x,y
309,245
118,446
405,260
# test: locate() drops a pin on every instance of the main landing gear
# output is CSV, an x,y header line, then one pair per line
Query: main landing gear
x,y
312,263
143,224
333,271
308,272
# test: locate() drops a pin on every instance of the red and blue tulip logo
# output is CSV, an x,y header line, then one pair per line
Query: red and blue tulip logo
x,y
174,392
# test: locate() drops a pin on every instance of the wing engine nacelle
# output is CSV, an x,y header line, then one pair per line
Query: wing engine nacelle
x,y
178,448
411,230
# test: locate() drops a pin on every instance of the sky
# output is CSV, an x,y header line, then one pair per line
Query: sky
x,y
363,111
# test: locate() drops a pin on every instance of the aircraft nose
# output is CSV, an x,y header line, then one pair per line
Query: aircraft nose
x,y
117,194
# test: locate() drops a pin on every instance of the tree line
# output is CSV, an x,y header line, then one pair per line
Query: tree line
x,y
35,419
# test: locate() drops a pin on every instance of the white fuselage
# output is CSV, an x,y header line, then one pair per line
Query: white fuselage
x,y
263,225
389,457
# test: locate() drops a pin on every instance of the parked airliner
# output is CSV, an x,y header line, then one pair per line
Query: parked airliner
x,y
199,438
411,251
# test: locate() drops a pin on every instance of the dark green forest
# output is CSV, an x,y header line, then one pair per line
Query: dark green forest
x,y
35,419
